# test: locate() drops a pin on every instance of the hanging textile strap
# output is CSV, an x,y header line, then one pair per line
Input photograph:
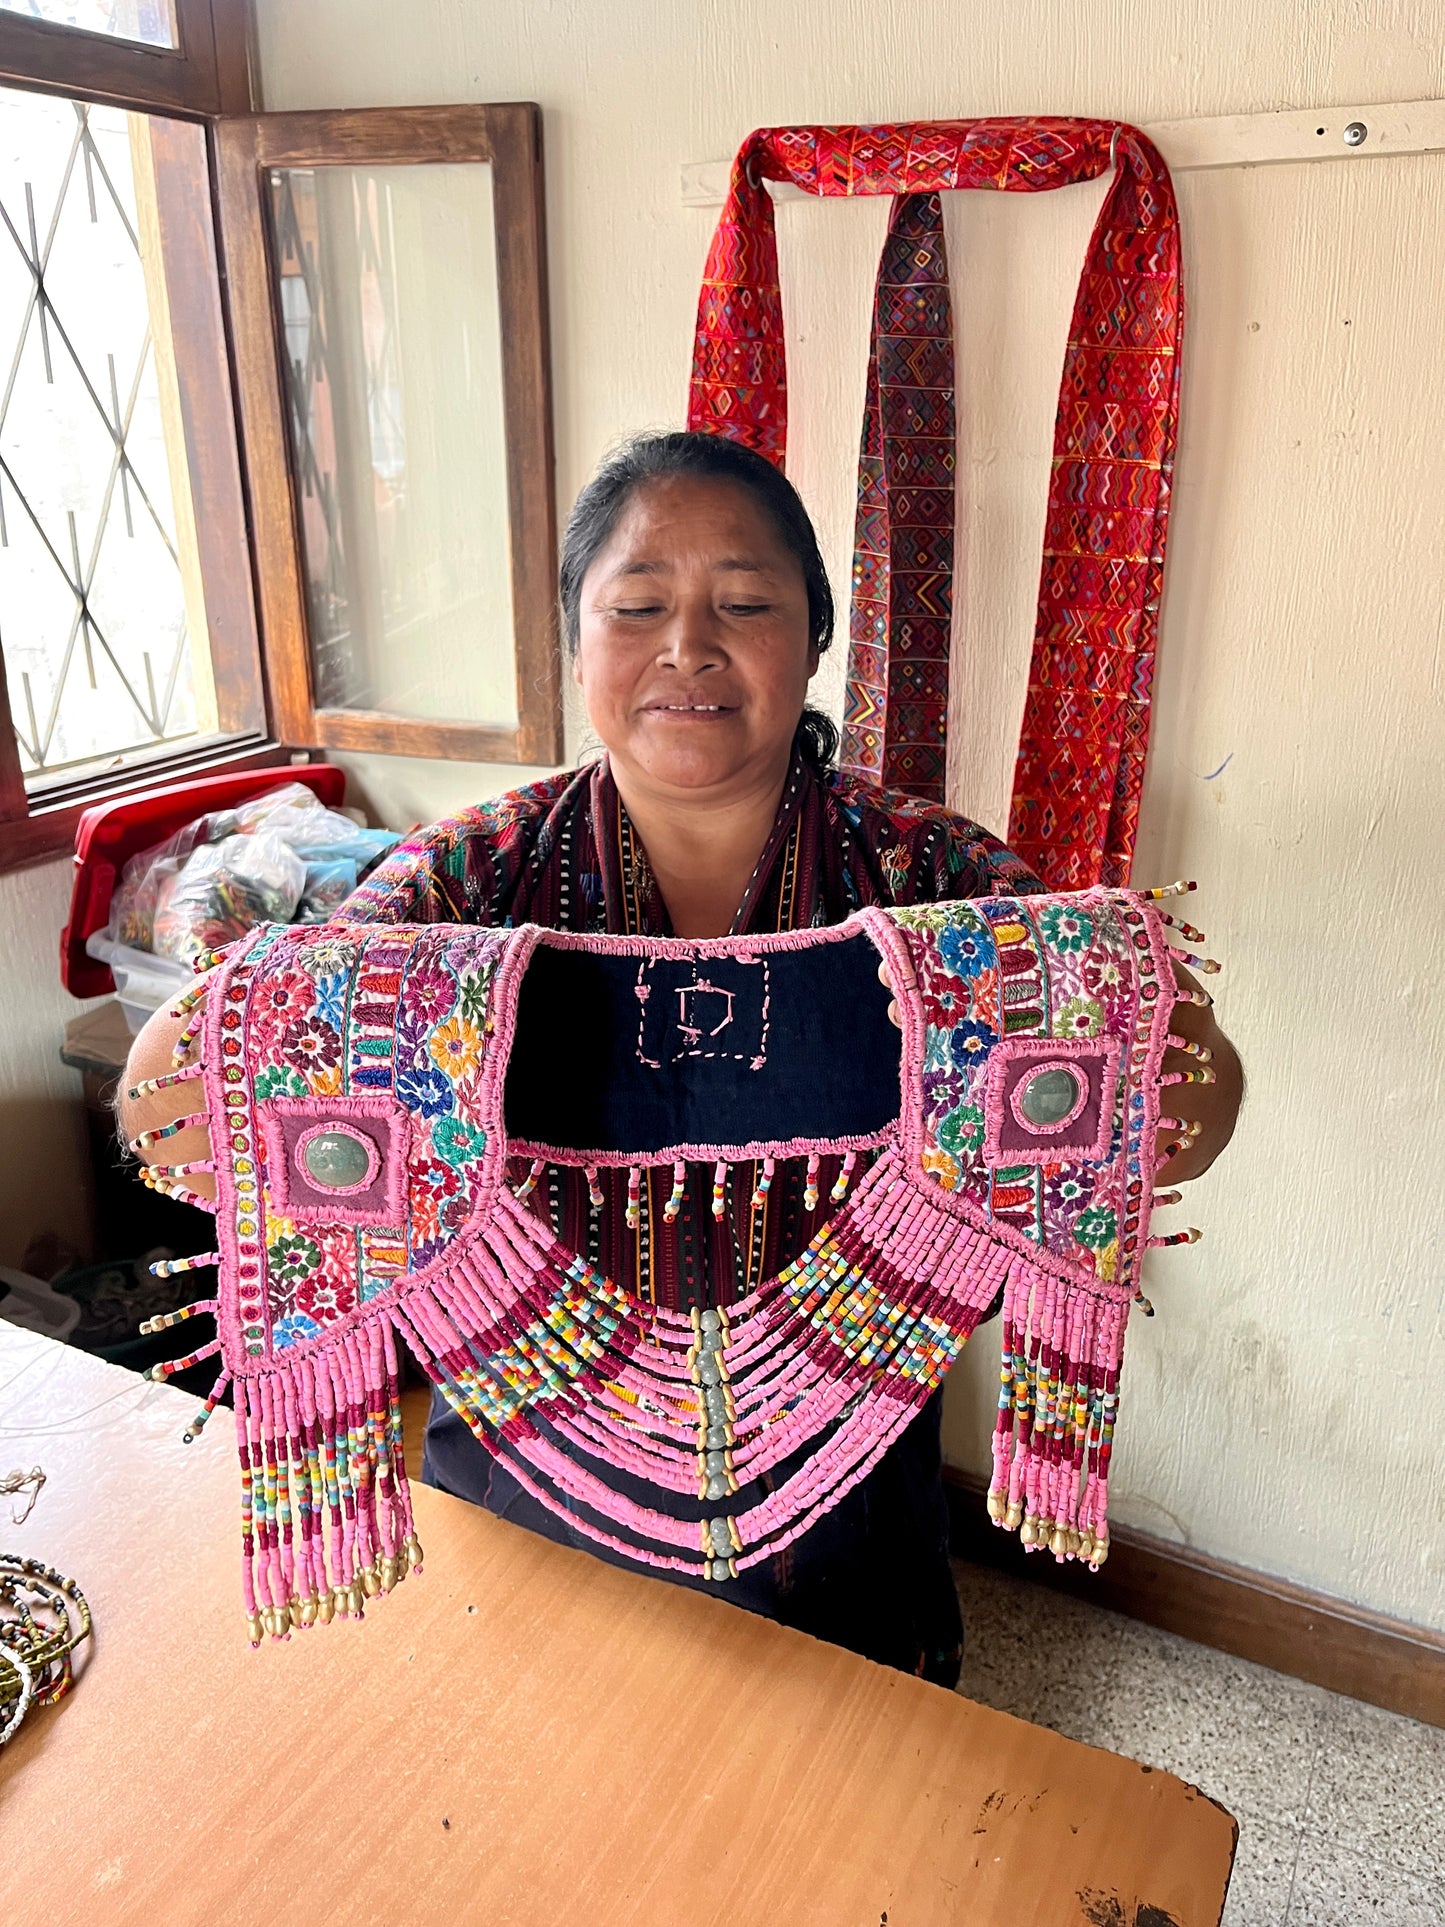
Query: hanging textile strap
x,y
1081,750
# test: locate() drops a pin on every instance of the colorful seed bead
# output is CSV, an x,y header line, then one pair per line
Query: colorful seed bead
x,y
719,1189
634,1197
810,1185
840,1188
529,1183
167,1267
673,1206
594,1188
764,1183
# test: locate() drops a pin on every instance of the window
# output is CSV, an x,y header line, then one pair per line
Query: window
x,y
306,503
389,303
114,618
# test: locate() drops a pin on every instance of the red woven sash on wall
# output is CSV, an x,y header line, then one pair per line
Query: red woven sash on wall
x,y
1080,766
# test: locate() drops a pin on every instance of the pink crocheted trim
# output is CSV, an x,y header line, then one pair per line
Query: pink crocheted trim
x,y
789,1147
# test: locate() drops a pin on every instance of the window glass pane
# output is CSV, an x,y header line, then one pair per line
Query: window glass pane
x,y
388,296
103,617
152,22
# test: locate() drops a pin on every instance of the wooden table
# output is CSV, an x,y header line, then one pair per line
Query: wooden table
x,y
520,1734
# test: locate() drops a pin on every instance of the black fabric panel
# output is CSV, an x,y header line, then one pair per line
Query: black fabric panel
x,y
789,1044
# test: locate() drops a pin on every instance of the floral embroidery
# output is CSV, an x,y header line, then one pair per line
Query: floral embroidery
x,y
425,1090
310,1044
1080,1017
458,1142
970,1042
327,957
1096,1227
292,1329
457,1047
292,1257
431,995
964,953
962,1129
325,1297
279,1080
1066,928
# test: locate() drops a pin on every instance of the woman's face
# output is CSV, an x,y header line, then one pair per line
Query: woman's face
x,y
693,650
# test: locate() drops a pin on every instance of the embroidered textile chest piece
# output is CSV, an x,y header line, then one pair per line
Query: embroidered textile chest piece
x,y
384,1101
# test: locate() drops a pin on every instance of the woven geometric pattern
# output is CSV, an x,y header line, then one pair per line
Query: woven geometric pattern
x,y
1081,754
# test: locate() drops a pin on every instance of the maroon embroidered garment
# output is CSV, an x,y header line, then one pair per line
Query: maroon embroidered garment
x,y
1080,766
562,853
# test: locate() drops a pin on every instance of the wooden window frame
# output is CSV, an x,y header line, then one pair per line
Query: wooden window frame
x,y
251,555
509,137
205,75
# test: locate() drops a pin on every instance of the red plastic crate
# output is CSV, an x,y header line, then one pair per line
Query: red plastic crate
x,y
110,834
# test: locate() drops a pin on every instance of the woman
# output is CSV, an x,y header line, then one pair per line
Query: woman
x,y
695,608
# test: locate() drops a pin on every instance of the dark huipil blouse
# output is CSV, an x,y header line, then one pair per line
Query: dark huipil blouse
x,y
873,1573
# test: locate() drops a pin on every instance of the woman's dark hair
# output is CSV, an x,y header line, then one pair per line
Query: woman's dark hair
x,y
647,458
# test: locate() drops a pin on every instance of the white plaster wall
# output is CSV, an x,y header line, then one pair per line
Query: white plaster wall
x,y
1282,1408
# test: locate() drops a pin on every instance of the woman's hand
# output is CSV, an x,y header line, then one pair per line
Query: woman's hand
x,y
1208,1104
1209,1109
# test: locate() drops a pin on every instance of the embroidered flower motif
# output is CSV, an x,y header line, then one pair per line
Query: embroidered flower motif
x,y
311,1045
970,1041
425,1217
963,952
457,1047
961,1132
293,1257
325,1082
1096,1227
457,1142
331,1001
325,1297
1080,1017
429,995
1102,974
1066,928
278,1003
327,957
279,1080
424,1090
291,1329
943,1167
475,990
1063,1192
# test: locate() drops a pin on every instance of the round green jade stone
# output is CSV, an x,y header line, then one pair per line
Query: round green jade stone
x,y
1049,1096
335,1160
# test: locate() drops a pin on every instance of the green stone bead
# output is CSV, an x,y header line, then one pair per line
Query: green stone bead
x,y
335,1160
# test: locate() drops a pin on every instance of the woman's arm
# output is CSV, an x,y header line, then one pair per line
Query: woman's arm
x,y
150,1056
1214,1106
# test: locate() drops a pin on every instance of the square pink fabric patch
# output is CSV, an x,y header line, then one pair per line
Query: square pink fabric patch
x,y
336,1160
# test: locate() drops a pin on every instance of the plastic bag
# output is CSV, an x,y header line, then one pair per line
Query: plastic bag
x,y
281,857
221,890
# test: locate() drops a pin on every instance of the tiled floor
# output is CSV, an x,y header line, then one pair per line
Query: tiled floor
x,y
1341,1807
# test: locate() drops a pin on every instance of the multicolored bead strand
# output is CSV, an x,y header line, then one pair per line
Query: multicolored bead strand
x,y
673,1207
